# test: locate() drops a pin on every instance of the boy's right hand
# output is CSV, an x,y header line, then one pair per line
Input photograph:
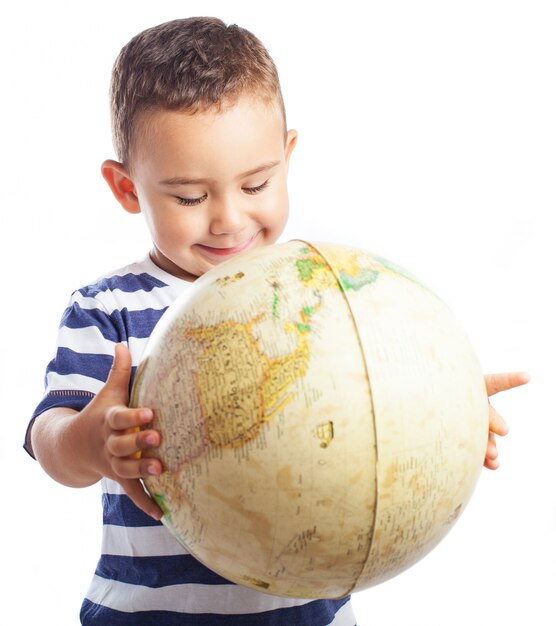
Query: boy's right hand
x,y
120,438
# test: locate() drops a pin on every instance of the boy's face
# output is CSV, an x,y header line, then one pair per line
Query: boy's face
x,y
211,185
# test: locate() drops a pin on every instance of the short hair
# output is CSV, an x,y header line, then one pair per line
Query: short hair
x,y
195,65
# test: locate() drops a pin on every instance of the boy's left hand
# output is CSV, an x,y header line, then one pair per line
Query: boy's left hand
x,y
497,424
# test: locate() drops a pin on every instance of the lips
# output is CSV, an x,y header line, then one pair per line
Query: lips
x,y
228,251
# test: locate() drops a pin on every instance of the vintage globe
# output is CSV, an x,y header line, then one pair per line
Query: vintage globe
x,y
324,419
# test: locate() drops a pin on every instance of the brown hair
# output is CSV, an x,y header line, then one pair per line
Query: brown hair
x,y
192,64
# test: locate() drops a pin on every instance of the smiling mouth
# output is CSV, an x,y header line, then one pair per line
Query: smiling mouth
x,y
228,251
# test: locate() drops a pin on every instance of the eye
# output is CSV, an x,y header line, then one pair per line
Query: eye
x,y
259,188
190,201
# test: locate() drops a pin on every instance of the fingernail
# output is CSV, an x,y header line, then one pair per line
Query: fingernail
x,y
151,439
146,415
152,469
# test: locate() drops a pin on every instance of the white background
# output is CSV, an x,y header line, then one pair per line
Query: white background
x,y
427,134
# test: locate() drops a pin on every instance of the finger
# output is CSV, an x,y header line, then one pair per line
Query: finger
x,y
126,467
117,383
123,445
491,455
492,464
491,450
507,380
496,423
139,496
122,418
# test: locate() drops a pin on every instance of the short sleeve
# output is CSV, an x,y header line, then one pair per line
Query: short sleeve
x,y
84,353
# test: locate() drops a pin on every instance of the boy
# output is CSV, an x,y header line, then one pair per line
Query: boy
x,y
200,131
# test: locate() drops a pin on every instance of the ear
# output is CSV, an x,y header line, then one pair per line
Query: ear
x,y
119,181
291,141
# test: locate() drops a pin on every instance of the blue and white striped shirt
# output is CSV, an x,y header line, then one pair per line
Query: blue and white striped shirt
x,y
144,575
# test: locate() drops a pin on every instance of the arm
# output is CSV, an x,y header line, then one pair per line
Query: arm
x,y
78,448
497,425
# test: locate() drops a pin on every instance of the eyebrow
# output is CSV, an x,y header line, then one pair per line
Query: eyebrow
x,y
196,181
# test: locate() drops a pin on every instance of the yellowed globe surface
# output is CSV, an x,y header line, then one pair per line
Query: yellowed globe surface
x,y
324,419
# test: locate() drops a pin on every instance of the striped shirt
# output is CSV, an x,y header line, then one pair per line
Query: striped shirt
x,y
144,576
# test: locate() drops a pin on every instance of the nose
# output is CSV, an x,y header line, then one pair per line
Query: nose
x,y
227,217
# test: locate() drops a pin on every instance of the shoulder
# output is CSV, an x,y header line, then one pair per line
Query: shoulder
x,y
137,286
128,279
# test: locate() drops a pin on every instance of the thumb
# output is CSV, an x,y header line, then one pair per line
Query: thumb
x,y
117,383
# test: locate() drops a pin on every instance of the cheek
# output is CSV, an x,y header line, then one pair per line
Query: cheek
x,y
278,206
167,227
276,216
282,212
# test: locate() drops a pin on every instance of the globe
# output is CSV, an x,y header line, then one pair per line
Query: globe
x,y
323,419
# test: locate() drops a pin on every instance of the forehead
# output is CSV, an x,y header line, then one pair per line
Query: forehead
x,y
241,130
